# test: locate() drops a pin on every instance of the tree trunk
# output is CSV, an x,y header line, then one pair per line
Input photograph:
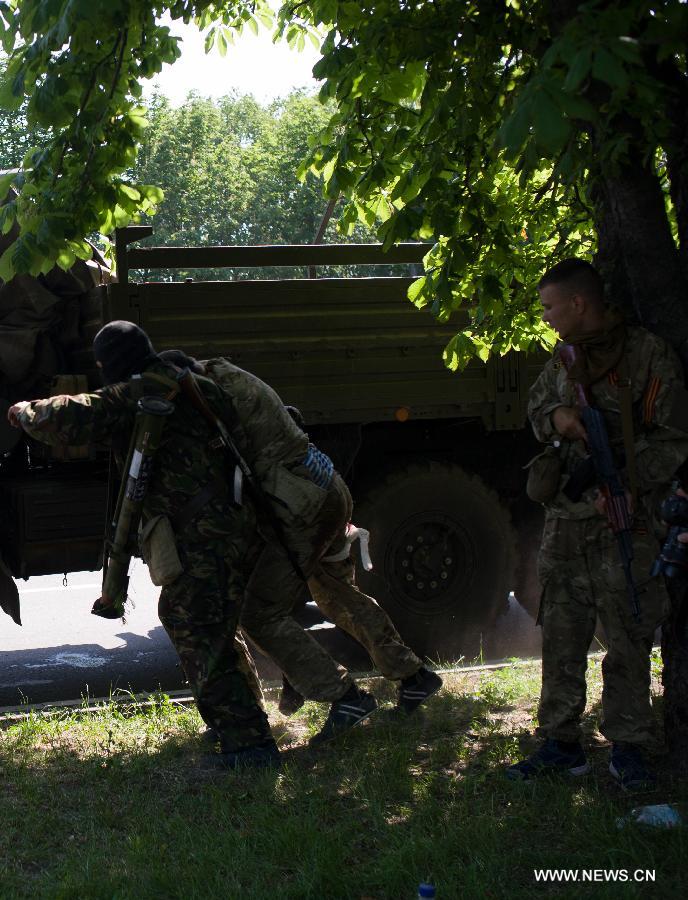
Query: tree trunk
x,y
637,254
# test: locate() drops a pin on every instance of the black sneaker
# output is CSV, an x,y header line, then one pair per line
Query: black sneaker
x,y
628,768
416,689
263,756
290,700
554,757
349,710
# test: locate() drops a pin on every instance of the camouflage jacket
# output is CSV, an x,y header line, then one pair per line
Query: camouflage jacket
x,y
184,463
660,448
274,446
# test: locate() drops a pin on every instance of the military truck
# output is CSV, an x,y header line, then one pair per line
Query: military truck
x,y
434,459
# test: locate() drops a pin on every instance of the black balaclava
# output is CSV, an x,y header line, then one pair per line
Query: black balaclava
x,y
182,360
123,349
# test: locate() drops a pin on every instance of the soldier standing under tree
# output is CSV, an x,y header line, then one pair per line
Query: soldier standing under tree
x,y
579,564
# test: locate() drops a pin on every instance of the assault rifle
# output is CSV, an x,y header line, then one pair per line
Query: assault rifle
x,y
607,477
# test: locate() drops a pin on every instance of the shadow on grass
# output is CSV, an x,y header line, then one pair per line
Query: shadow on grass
x,y
117,806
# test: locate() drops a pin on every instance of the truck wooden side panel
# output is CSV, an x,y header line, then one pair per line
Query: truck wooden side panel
x,y
341,349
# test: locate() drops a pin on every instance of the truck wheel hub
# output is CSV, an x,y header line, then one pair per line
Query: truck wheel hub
x,y
427,558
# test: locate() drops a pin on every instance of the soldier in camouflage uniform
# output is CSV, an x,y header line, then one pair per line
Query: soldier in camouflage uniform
x,y
579,565
217,547
314,506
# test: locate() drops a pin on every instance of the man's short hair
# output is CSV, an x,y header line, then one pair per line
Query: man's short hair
x,y
577,275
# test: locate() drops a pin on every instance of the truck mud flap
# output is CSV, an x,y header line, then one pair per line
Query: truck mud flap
x,y
9,595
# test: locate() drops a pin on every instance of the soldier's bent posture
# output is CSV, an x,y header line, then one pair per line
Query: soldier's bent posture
x,y
579,563
217,545
314,506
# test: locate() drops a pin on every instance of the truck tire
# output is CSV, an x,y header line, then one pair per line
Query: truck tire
x,y
443,550
528,521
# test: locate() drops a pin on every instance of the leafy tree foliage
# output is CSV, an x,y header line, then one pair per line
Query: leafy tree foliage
x,y
228,172
80,64
512,132
509,132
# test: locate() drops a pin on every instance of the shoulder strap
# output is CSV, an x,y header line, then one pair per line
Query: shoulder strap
x,y
626,408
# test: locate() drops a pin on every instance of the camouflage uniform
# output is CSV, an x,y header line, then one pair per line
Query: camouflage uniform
x,y
217,548
579,566
314,521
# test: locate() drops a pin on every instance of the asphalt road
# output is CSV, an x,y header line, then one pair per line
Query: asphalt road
x,y
62,652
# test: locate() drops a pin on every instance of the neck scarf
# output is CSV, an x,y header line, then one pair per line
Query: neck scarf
x,y
599,351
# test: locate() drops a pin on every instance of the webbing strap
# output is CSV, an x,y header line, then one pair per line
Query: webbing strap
x,y
166,382
626,409
189,512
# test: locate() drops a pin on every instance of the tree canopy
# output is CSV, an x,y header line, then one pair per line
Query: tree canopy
x,y
508,132
227,168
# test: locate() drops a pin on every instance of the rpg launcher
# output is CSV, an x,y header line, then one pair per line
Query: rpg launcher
x,y
151,415
607,477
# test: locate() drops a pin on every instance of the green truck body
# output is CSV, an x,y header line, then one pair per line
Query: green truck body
x,y
434,458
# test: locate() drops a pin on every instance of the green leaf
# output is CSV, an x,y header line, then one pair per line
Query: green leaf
x,y
8,214
458,352
6,182
578,107
7,272
578,70
552,130
516,129
66,259
129,191
416,289
608,68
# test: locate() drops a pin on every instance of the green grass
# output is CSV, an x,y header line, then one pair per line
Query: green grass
x,y
116,804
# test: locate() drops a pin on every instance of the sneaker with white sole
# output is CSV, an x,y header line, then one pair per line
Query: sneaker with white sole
x,y
627,766
416,689
349,710
552,758
262,756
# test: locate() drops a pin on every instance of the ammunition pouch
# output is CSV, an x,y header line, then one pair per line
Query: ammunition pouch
x,y
294,492
544,475
159,551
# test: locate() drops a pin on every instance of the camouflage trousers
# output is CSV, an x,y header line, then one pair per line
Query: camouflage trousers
x,y
582,578
275,588
200,613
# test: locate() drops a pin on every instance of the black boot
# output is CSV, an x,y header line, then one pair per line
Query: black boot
x,y
290,700
261,756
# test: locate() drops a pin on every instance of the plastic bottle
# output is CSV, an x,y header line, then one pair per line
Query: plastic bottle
x,y
426,890
659,815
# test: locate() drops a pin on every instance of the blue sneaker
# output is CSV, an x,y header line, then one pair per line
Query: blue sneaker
x,y
554,757
628,768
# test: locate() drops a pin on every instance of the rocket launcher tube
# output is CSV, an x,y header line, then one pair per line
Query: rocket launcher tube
x,y
149,424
